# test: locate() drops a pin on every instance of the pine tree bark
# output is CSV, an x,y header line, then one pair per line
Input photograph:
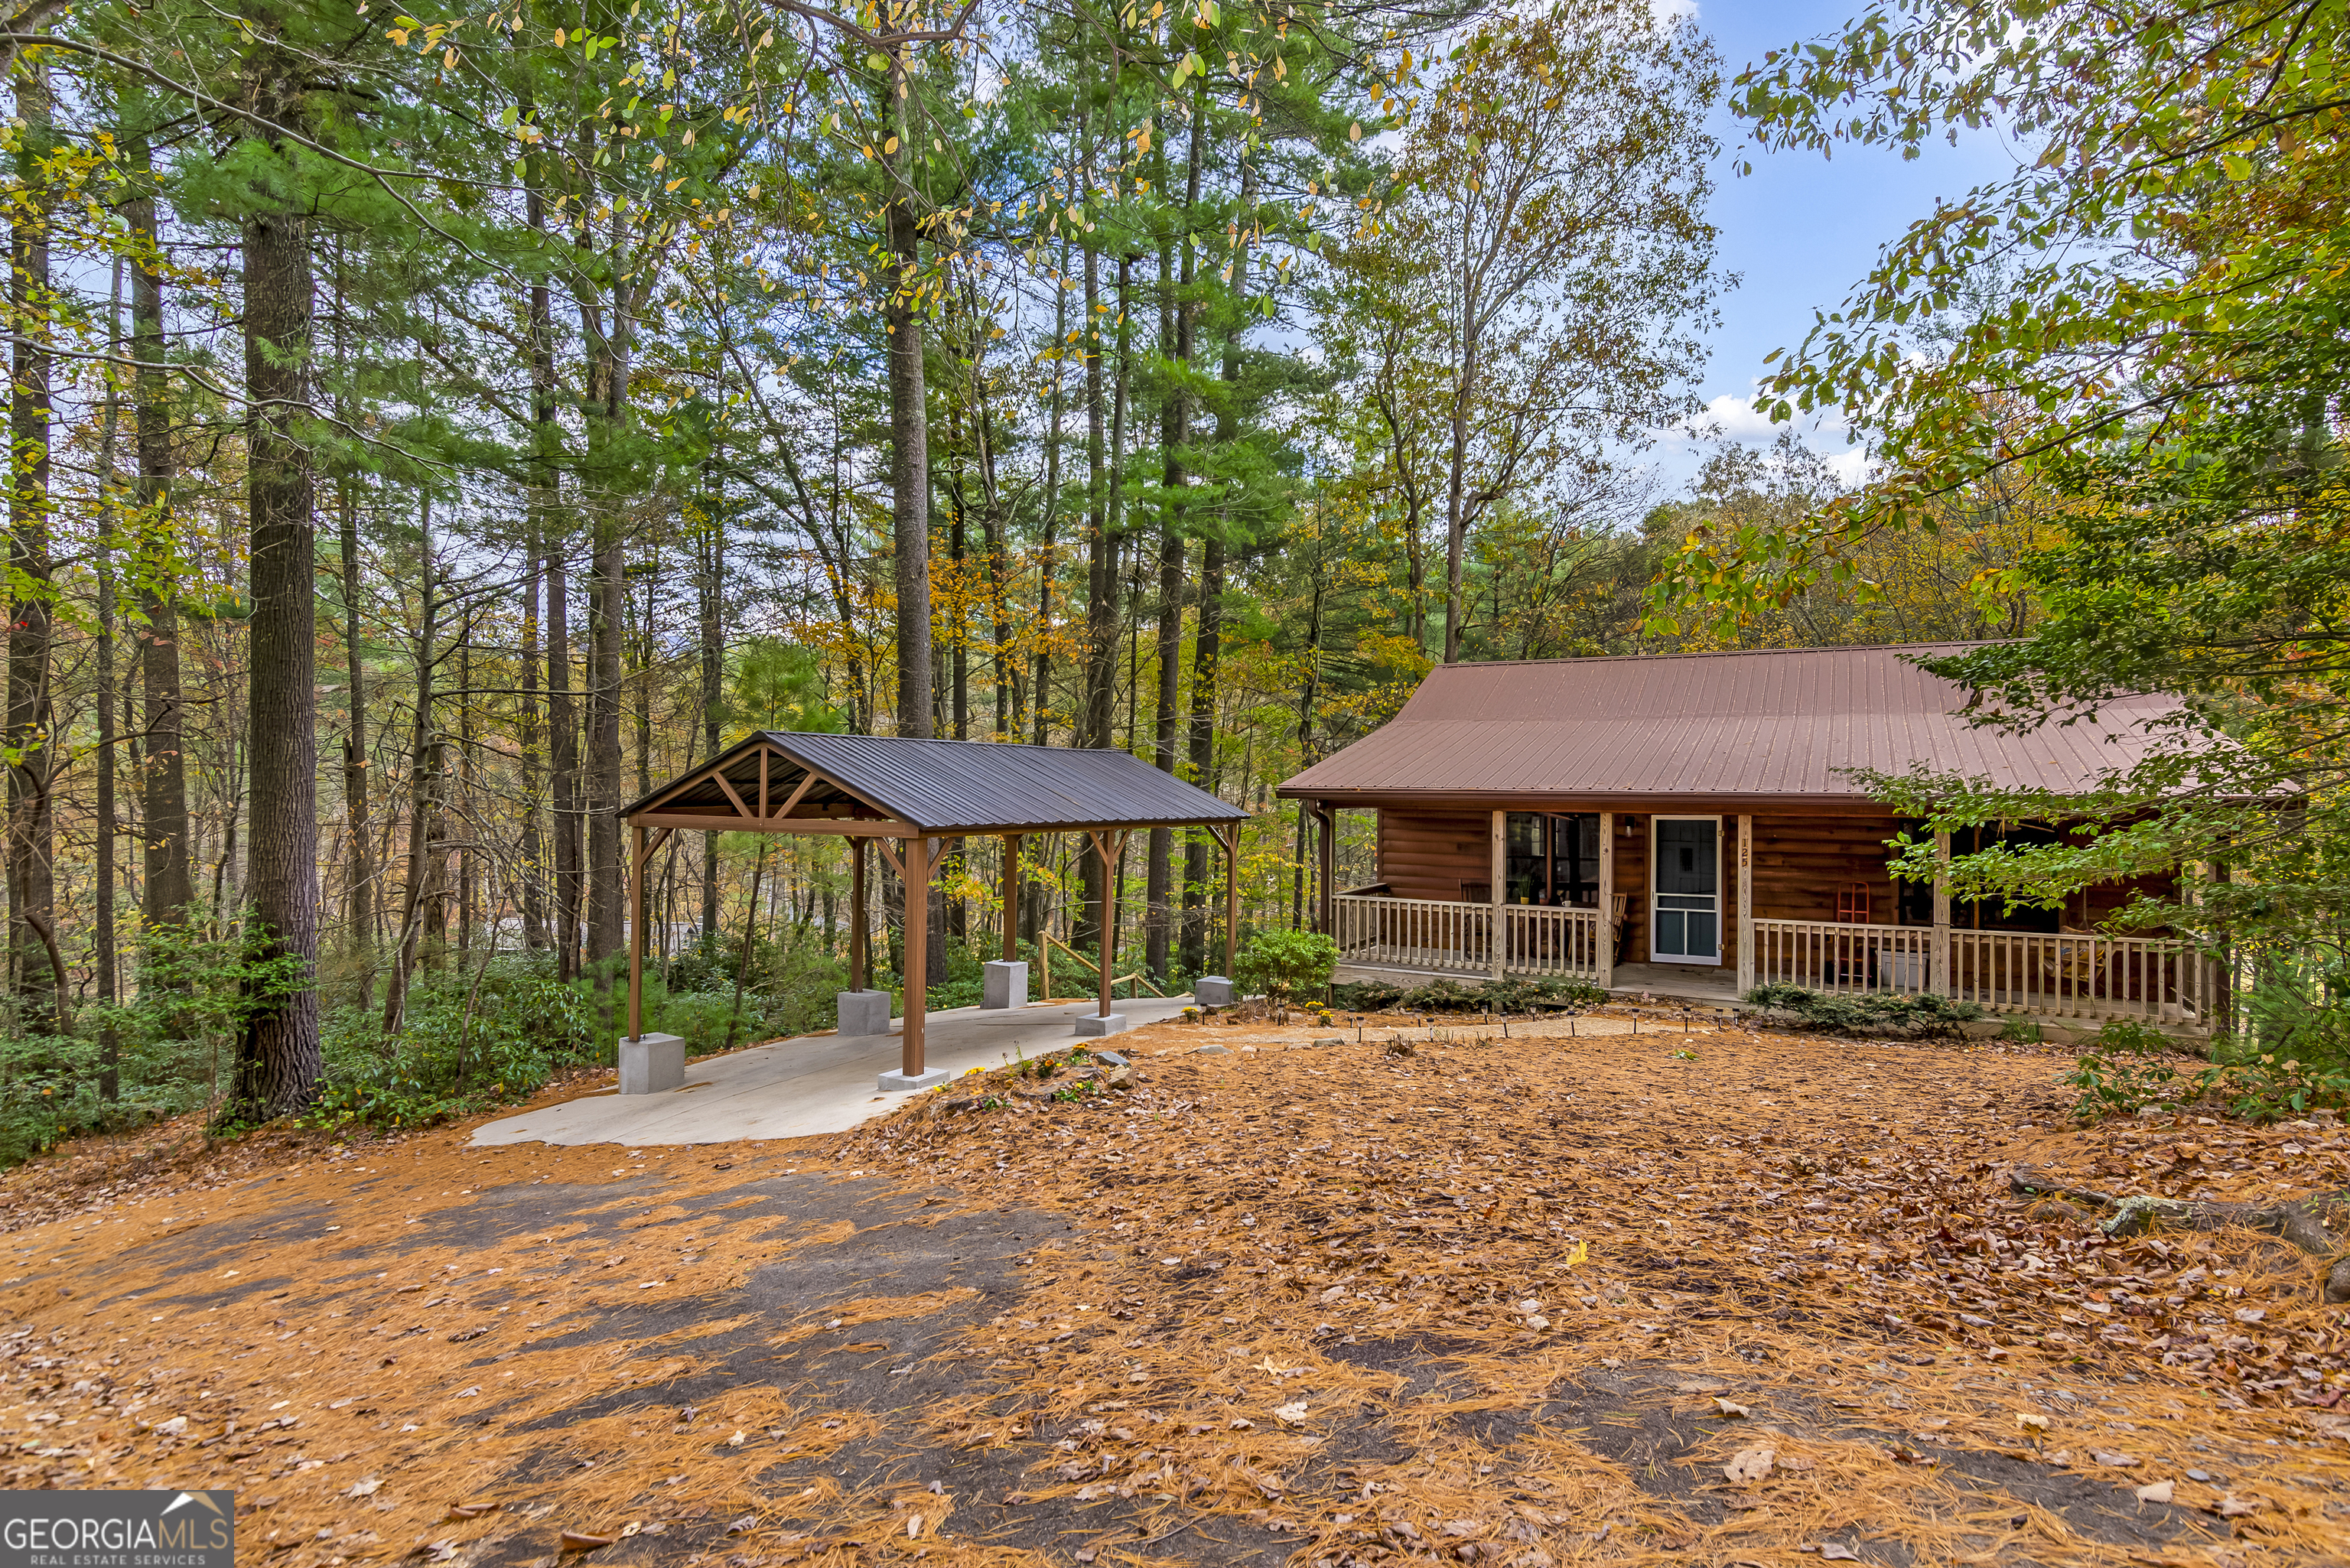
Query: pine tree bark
x,y
1175,336
102,937
358,892
31,874
543,920
909,460
168,882
563,765
711,543
278,1053
1208,638
423,774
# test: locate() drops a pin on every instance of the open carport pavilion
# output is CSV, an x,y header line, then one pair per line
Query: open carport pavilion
x,y
907,796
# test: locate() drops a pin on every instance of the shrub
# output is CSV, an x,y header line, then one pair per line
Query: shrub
x,y
1283,964
1875,1014
2128,1067
1513,995
469,1040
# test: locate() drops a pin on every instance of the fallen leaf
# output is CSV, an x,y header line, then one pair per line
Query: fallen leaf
x,y
736,1440
1835,1551
1729,1407
2233,1507
2107,1456
742,1526
2035,1425
1750,1465
580,1540
1291,1413
2155,1491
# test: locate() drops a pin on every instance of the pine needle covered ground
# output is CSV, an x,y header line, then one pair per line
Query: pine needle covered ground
x,y
1706,1298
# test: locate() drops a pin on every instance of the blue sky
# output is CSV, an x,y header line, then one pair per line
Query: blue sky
x,y
1802,229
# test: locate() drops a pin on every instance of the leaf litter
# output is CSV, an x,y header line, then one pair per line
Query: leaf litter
x,y
1491,1300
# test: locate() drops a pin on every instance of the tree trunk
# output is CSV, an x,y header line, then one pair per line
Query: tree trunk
x,y
358,893
1175,332
1045,562
563,763
423,771
910,462
32,872
109,515
1208,638
710,579
278,1057
542,916
605,873
169,885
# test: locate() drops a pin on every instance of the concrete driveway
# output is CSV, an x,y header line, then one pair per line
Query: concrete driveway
x,y
814,1083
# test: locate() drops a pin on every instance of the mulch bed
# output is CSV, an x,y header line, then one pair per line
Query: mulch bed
x,y
1690,1296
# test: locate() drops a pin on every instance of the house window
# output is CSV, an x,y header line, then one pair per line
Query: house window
x,y
1915,900
1553,858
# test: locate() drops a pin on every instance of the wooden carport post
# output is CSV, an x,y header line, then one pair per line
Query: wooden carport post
x,y
637,934
916,881
913,868
1111,847
857,914
1011,898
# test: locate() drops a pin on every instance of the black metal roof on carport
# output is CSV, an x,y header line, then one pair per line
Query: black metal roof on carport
x,y
936,787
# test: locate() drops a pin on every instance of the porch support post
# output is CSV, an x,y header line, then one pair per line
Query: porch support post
x,y
1326,906
1498,934
1940,977
1606,954
1745,905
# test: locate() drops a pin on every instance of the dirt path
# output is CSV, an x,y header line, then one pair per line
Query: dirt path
x,y
1522,1301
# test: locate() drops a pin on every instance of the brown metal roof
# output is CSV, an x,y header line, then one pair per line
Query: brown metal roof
x,y
1772,725
938,786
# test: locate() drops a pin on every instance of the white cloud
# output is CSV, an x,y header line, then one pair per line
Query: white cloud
x,y
1732,418
1738,418
1849,467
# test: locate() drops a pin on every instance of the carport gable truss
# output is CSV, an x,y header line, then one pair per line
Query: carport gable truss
x,y
907,794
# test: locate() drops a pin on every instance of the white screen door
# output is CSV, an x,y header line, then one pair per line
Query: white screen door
x,y
1685,900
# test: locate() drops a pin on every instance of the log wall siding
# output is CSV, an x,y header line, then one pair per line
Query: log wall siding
x,y
1429,854
1803,863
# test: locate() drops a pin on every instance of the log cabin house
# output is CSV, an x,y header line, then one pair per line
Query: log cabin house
x,y
1688,826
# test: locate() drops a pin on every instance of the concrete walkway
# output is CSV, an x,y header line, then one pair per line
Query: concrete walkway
x,y
815,1084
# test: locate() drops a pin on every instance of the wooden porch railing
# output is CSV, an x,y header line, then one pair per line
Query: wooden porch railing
x,y
1439,934
1551,940
1414,933
1843,960
2156,979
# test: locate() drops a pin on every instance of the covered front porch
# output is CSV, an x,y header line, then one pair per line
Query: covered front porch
x,y
1702,907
